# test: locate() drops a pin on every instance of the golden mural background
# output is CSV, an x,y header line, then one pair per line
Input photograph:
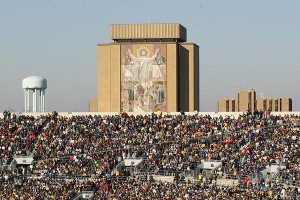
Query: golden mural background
x,y
143,78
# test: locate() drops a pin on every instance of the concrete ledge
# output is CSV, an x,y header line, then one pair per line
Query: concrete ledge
x,y
212,114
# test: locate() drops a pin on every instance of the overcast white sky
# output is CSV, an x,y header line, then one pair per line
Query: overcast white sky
x,y
243,45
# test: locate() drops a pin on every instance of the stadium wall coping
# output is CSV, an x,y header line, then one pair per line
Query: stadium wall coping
x,y
212,114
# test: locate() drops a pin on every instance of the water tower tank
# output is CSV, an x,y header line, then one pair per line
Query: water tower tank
x,y
34,87
33,82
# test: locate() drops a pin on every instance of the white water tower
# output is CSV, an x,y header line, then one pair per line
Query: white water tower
x,y
34,88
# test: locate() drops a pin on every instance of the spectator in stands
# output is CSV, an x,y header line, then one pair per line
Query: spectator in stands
x,y
261,114
5,113
268,113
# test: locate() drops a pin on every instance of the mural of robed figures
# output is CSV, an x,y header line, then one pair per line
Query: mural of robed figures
x,y
143,78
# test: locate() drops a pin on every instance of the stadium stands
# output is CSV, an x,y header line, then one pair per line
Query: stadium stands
x,y
150,156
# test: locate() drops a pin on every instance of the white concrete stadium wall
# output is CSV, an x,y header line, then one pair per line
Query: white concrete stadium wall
x,y
212,114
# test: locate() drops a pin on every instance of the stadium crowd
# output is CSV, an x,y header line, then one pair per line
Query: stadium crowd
x,y
134,188
92,146
18,135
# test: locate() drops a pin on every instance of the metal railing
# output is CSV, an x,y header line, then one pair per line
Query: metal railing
x,y
189,173
8,167
160,172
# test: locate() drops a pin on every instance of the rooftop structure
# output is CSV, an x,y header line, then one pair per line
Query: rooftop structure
x,y
35,87
148,32
147,67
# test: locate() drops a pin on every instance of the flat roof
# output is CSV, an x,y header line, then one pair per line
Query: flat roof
x,y
148,31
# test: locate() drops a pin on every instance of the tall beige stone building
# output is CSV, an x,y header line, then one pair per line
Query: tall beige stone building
x,y
228,105
247,101
147,67
276,104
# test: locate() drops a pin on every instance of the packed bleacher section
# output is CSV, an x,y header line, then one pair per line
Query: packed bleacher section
x,y
82,153
18,135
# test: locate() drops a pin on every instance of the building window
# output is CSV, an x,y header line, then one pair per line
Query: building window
x,y
227,105
233,105
270,104
238,102
280,104
264,104
276,105
249,101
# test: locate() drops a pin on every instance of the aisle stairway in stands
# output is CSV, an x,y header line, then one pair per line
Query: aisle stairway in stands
x,y
42,128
